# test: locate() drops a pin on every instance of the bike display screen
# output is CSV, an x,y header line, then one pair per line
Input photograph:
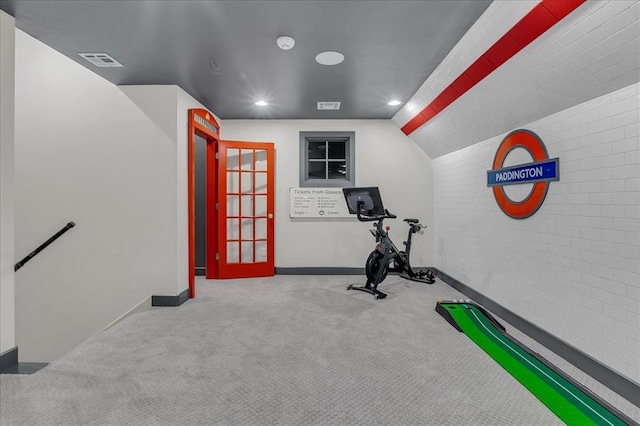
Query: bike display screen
x,y
369,197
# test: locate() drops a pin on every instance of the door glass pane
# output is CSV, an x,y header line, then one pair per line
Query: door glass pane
x,y
233,251
337,170
261,159
233,205
247,159
247,182
233,184
261,183
232,159
318,149
261,228
337,150
247,205
247,229
261,205
233,229
247,251
261,251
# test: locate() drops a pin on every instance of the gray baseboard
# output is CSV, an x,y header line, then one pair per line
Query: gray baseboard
x,y
321,270
26,368
614,381
9,363
8,359
317,270
170,300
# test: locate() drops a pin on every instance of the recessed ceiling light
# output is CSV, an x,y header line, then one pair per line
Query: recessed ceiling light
x,y
329,58
394,103
285,42
261,103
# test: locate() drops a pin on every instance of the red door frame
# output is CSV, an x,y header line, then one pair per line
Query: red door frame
x,y
202,123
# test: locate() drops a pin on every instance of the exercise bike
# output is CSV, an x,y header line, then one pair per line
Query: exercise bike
x,y
386,257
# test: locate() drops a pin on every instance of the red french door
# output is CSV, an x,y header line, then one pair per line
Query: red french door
x,y
239,203
245,209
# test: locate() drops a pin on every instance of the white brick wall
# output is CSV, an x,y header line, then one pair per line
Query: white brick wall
x,y
499,17
572,268
592,51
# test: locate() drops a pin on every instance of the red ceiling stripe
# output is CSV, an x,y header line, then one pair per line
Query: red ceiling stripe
x,y
543,16
481,68
560,9
463,83
414,123
503,50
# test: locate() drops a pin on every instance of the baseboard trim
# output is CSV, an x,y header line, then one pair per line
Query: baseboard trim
x,y
625,387
9,363
316,270
321,270
8,359
170,300
25,368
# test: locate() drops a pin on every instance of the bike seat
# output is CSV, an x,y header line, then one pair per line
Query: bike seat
x,y
411,221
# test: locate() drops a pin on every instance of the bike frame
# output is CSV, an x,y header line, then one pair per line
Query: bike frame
x,y
389,252
392,252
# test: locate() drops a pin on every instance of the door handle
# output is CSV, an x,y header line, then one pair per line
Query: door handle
x,y
270,216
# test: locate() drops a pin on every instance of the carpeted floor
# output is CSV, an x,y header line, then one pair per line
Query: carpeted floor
x,y
287,350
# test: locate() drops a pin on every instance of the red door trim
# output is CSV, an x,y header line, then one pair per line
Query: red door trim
x,y
543,16
212,212
201,122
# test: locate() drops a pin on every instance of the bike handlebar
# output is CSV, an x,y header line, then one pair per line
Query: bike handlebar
x,y
362,218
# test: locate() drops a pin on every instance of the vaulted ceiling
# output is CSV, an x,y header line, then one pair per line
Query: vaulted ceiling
x,y
224,53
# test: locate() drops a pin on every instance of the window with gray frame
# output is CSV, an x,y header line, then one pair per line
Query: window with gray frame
x,y
327,159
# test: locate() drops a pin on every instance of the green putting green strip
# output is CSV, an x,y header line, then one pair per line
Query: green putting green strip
x,y
568,402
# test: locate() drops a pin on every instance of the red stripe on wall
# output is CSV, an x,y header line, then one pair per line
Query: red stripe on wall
x,y
543,16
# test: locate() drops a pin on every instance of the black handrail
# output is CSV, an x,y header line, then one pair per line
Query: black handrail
x,y
43,245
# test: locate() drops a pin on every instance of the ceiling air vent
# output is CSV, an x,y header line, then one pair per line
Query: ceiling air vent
x,y
101,60
323,106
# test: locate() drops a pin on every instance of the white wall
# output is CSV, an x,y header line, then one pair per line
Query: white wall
x,y
88,152
573,267
161,105
168,107
7,292
385,157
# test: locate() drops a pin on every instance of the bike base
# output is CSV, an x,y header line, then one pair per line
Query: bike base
x,y
376,293
418,278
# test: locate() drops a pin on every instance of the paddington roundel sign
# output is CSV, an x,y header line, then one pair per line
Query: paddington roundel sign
x,y
541,171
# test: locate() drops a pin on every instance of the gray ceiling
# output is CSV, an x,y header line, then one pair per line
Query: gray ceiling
x,y
390,48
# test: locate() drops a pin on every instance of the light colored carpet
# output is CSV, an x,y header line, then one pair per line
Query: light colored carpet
x,y
287,350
